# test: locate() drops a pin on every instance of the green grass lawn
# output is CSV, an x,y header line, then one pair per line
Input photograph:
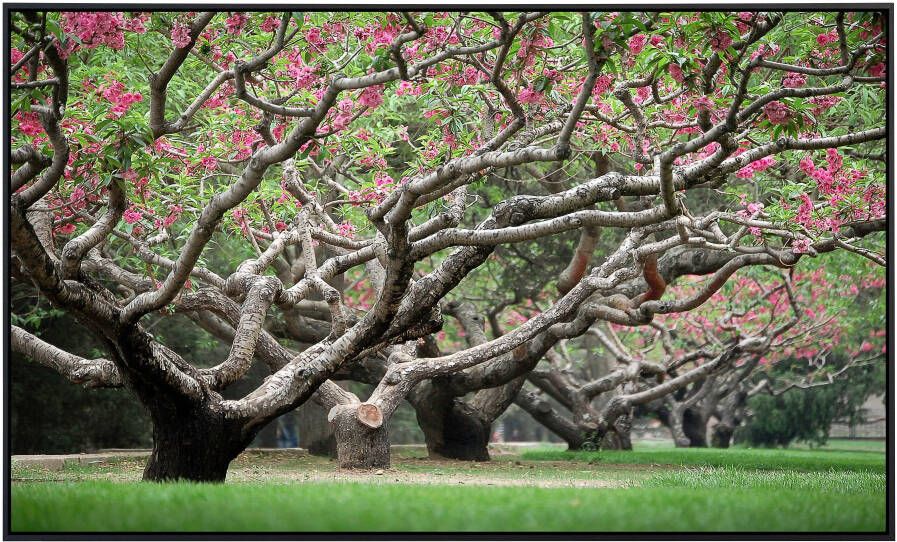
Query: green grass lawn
x,y
760,459
653,490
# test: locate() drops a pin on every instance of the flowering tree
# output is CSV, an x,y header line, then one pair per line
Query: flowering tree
x,y
691,367
362,169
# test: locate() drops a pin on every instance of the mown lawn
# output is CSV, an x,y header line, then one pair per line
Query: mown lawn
x,y
760,459
655,490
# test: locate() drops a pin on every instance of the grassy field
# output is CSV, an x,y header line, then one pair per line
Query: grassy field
x,y
759,459
542,490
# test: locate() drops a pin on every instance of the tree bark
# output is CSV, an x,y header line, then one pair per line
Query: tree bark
x,y
362,438
543,413
619,436
453,430
191,444
315,434
694,426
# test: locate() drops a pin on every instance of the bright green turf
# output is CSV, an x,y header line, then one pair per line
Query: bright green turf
x,y
697,490
90,506
843,444
762,459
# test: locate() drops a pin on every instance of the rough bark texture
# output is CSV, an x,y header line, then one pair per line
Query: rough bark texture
x,y
358,446
190,445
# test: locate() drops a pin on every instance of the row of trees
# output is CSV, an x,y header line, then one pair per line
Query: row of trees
x,y
355,196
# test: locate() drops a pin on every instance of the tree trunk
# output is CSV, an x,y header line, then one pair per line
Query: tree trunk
x,y
315,434
721,436
542,411
465,435
191,445
453,430
695,428
619,436
362,439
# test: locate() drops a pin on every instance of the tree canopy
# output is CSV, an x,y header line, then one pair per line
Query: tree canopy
x,y
357,195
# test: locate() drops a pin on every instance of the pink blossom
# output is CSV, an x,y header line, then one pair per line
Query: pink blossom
x,y
829,37
720,40
877,70
834,160
132,215
703,103
637,43
805,210
346,229
382,179
676,73
180,35
823,103
209,162
529,96
371,96
95,28
777,112
29,123
602,84
748,171
270,25
174,212
409,88
794,80
135,24
235,23
66,229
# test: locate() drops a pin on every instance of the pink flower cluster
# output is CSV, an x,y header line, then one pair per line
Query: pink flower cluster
x,y
132,215
829,37
676,73
529,96
823,103
304,75
136,23
29,123
794,80
270,24
371,96
209,162
719,40
122,101
602,84
180,35
876,70
637,43
800,246
409,88
346,229
748,171
236,22
95,28
702,103
777,112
